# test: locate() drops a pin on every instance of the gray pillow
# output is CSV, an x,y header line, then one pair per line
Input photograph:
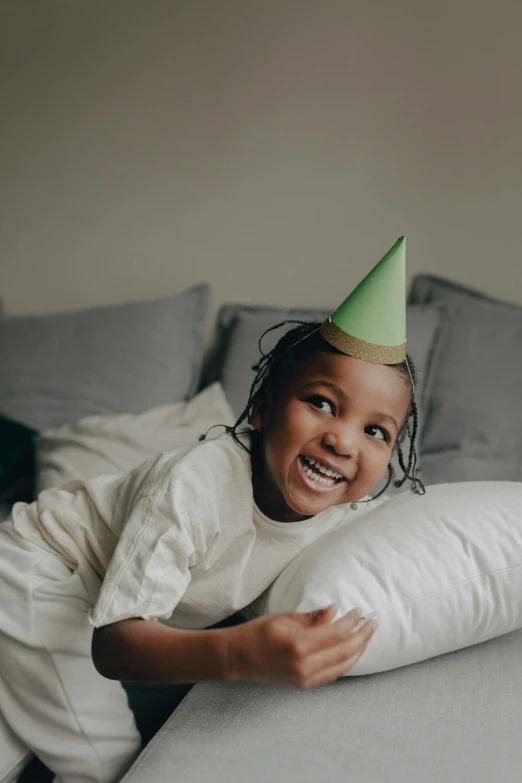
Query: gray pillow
x,y
122,359
448,466
241,327
475,405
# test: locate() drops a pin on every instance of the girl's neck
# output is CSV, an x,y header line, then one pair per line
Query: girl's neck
x,y
262,496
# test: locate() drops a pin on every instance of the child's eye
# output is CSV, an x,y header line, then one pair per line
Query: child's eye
x,y
320,402
377,432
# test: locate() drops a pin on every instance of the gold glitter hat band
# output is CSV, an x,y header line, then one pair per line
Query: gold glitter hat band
x,y
360,349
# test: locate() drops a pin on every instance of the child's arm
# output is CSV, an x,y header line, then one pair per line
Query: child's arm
x,y
291,649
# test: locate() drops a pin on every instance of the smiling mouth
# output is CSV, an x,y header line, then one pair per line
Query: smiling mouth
x,y
318,476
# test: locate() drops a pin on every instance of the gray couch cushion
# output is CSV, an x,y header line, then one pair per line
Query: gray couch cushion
x,y
241,327
475,405
454,718
121,359
444,466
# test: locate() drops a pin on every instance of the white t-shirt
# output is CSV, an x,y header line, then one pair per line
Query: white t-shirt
x,y
179,538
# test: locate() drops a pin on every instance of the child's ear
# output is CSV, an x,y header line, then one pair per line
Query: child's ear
x,y
257,417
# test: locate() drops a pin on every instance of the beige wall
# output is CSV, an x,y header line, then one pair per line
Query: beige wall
x,y
275,148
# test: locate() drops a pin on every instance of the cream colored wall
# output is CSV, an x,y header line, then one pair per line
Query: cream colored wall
x,y
275,148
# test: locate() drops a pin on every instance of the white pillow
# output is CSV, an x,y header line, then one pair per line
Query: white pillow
x,y
439,572
111,445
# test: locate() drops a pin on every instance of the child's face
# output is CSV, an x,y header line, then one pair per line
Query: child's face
x,y
340,412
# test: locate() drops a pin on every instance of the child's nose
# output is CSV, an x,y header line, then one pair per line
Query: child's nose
x,y
344,440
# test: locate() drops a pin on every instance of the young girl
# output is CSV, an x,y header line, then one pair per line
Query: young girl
x,y
189,538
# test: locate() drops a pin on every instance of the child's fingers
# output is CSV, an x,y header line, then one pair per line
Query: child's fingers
x,y
324,615
358,641
320,637
338,654
334,662
335,671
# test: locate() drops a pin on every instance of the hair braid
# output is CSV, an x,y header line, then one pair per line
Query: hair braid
x,y
265,367
410,469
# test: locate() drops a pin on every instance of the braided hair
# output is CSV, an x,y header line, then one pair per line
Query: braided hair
x,y
298,344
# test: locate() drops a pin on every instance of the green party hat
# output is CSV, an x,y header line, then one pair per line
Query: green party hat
x,y
371,322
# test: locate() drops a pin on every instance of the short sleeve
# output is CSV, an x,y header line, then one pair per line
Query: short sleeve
x,y
150,569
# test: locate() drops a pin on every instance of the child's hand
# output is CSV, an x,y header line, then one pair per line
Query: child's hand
x,y
298,650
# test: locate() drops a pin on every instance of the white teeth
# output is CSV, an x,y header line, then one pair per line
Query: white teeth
x,y
321,469
319,479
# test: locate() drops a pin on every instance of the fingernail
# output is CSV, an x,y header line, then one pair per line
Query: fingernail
x,y
358,612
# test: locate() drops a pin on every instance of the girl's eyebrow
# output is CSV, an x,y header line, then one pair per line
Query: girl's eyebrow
x,y
329,385
387,417
342,394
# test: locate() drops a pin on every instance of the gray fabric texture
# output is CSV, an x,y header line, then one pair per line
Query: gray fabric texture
x,y
242,326
455,718
121,359
475,404
449,466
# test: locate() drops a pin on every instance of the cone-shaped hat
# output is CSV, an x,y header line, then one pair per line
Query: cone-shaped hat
x,y
371,322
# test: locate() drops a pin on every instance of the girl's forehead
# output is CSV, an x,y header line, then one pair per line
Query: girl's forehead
x,y
352,376
342,366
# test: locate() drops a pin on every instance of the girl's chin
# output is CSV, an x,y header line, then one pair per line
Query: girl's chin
x,y
297,508
304,507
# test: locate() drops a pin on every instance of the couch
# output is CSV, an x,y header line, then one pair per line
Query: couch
x,y
107,386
